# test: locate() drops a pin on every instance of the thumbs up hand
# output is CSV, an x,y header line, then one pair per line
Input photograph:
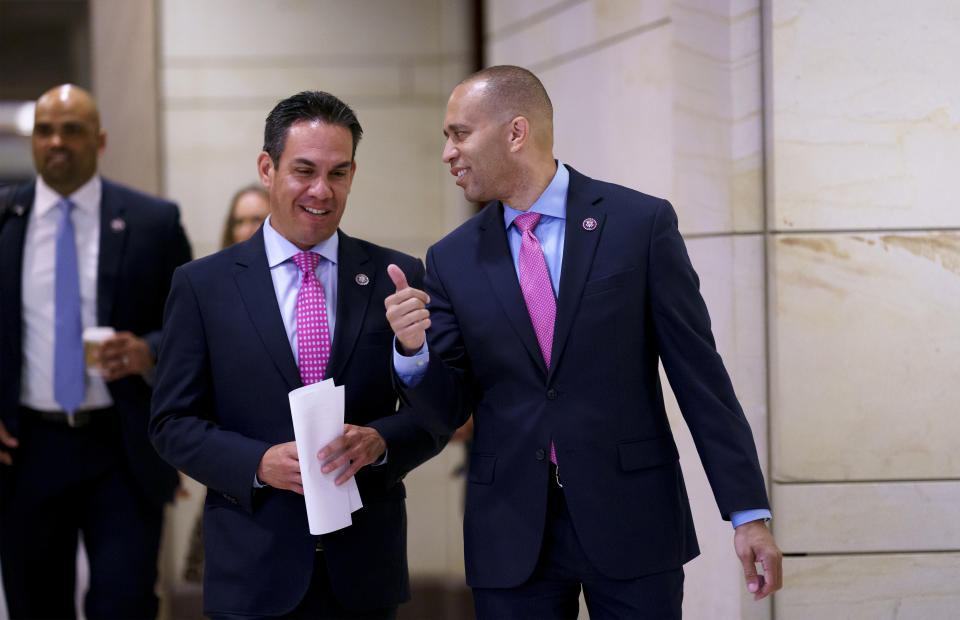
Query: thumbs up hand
x,y
407,312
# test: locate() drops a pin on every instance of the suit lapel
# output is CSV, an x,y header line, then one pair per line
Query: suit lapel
x,y
497,263
12,238
113,237
353,299
252,275
579,246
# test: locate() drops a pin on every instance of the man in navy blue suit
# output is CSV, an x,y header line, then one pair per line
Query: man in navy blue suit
x,y
80,251
234,348
548,314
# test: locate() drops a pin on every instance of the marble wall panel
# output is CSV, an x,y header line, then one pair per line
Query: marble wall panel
x,y
298,28
435,497
864,348
718,29
193,84
870,587
508,14
717,122
866,114
436,81
868,517
575,29
123,54
210,153
621,132
714,189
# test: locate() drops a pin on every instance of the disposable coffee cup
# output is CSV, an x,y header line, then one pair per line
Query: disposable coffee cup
x,y
92,337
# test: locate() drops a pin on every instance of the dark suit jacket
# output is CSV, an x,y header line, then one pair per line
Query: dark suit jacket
x,y
141,243
628,299
221,401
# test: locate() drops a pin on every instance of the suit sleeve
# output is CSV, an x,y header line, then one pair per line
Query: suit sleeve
x,y
408,443
441,400
181,423
697,374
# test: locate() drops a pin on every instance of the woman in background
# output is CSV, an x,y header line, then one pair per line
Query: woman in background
x,y
248,209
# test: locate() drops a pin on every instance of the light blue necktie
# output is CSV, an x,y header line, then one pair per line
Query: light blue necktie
x,y
68,367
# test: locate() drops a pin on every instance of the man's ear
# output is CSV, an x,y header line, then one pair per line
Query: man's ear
x,y
519,133
265,169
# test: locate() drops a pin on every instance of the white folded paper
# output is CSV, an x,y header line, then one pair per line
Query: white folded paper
x,y
317,411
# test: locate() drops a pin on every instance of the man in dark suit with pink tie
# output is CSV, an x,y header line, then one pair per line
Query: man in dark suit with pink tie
x,y
298,302
548,314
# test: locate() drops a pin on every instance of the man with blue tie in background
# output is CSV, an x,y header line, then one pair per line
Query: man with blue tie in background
x,y
548,314
80,251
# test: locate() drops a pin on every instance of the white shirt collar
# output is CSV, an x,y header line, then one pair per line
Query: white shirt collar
x,y
280,249
86,198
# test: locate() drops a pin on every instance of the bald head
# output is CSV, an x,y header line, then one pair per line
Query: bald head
x,y
507,91
67,138
68,97
499,129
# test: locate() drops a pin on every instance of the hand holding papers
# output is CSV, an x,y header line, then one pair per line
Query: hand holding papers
x,y
317,411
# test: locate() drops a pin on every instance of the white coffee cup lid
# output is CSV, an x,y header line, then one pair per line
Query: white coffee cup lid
x,y
97,334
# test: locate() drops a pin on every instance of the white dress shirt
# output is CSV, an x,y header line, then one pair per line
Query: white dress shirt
x,y
37,299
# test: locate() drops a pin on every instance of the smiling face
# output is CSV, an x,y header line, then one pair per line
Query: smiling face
x,y
309,185
67,138
478,145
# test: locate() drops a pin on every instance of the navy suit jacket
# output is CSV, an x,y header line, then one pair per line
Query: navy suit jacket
x,y
221,402
141,243
628,299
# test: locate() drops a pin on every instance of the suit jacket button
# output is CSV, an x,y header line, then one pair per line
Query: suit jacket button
x,y
541,455
551,394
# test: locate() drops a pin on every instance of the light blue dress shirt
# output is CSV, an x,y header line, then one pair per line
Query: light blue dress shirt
x,y
550,230
286,278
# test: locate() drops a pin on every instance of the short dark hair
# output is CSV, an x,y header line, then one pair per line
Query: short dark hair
x,y
514,90
309,105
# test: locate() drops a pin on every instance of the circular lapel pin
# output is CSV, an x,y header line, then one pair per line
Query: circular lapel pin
x,y
362,279
589,224
18,210
117,225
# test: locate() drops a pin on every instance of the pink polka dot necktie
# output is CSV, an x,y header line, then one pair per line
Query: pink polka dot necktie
x,y
313,331
537,289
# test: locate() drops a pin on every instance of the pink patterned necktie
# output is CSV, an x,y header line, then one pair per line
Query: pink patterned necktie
x,y
313,331
537,290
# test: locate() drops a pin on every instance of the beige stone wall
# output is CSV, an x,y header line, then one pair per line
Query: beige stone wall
x,y
864,126
124,57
